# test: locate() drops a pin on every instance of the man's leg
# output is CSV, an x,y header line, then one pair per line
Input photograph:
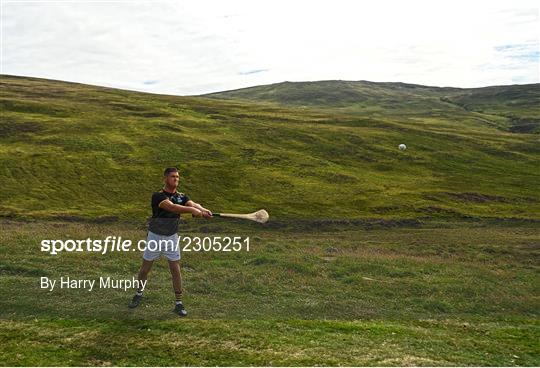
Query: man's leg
x,y
143,272
174,267
142,276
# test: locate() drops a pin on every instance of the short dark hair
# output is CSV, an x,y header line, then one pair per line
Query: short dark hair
x,y
170,170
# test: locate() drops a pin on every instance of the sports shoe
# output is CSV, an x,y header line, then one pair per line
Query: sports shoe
x,y
180,310
135,301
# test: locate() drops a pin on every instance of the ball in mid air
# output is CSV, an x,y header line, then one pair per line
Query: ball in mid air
x,y
402,147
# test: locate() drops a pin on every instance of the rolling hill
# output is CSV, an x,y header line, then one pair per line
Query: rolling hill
x,y
518,105
314,150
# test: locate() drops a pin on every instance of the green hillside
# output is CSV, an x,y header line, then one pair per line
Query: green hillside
x,y
70,150
338,93
520,104
517,105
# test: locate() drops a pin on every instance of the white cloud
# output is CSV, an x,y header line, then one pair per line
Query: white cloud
x,y
202,46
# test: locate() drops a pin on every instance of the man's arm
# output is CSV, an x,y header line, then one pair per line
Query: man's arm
x,y
206,213
167,205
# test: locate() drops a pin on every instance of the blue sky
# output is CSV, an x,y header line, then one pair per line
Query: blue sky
x,y
194,47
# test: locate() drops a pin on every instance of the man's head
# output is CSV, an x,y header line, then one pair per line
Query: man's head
x,y
171,176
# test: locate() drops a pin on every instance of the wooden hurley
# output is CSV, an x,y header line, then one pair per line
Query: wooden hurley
x,y
260,216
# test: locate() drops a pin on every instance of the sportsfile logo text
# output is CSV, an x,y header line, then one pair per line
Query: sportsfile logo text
x,y
117,244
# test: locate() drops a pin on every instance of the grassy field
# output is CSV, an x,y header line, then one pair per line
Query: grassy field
x,y
466,294
372,256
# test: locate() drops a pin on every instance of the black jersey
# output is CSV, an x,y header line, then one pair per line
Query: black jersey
x,y
164,222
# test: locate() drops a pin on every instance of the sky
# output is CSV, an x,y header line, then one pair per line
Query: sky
x,y
196,47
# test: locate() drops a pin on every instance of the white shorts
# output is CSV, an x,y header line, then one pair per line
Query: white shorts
x,y
157,245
